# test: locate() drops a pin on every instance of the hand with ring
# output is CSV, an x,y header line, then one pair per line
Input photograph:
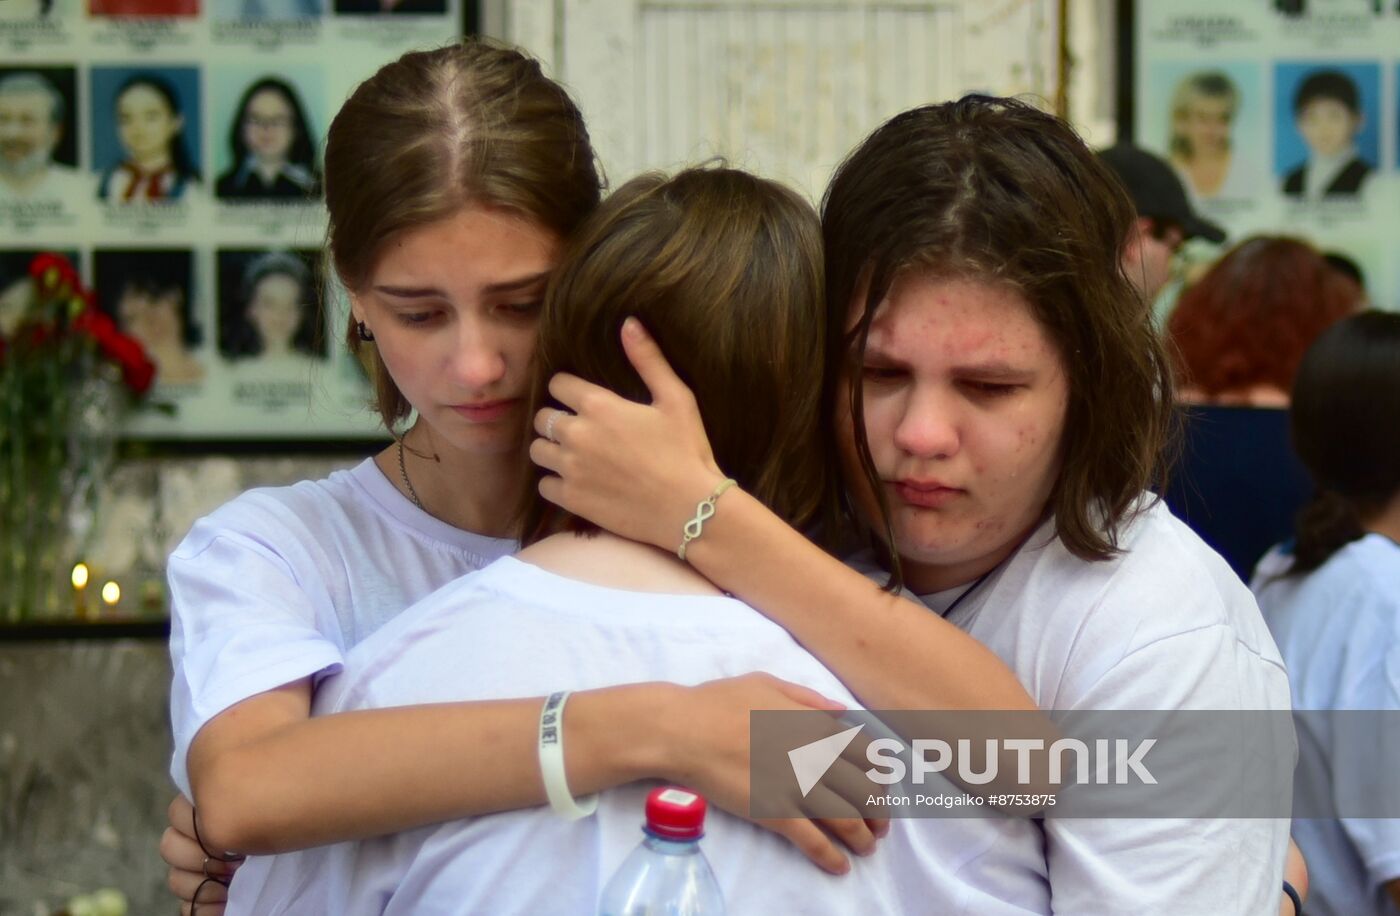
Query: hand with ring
x,y
637,470
551,419
199,880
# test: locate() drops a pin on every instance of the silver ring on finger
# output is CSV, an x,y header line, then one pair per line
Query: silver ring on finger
x,y
549,425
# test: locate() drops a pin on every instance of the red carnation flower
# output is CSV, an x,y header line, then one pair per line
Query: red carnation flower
x,y
53,274
137,369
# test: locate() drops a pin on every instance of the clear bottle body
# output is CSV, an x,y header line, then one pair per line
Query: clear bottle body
x,y
663,877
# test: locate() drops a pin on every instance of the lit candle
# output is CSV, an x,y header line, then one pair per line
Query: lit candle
x,y
111,593
80,583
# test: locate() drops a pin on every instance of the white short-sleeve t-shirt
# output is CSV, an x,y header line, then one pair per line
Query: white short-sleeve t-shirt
x,y
1338,628
515,630
1165,624
278,584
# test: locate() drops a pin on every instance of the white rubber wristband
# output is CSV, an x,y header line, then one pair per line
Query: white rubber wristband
x,y
556,786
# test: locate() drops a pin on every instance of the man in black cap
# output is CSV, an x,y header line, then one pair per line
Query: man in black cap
x,y
1165,217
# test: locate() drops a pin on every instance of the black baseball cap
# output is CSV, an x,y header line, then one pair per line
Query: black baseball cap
x,y
1156,191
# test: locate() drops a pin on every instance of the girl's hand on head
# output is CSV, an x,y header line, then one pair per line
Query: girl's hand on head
x,y
637,470
708,749
190,868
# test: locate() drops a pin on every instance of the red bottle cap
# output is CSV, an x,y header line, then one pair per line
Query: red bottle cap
x,y
674,813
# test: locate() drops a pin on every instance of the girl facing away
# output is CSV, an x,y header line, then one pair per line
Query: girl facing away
x,y
1000,403
1332,597
453,180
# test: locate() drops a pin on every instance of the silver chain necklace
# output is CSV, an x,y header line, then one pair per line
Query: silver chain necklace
x,y
408,484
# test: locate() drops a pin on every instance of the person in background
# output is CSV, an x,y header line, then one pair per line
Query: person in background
x,y
157,165
1331,596
1202,110
1241,330
1346,265
1165,218
31,126
1238,334
1327,112
271,145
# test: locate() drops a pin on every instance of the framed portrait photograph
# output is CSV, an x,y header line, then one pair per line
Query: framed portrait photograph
x,y
39,153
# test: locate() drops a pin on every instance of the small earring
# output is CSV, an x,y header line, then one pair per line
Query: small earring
x,y
365,333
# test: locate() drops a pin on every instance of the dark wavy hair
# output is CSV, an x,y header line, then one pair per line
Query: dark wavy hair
x,y
303,151
1251,318
996,190
180,157
1346,427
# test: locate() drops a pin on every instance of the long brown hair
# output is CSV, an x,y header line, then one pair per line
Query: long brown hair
x,y
996,190
435,131
725,271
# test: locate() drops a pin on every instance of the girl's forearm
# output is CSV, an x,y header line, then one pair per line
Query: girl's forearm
x,y
890,652
265,781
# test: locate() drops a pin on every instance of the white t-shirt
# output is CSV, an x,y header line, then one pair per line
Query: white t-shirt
x,y
280,583
516,630
1164,625
1339,630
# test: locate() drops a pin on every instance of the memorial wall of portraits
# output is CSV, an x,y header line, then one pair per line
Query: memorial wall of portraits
x,y
172,149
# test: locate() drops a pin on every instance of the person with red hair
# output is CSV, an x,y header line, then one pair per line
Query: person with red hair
x,y
1241,330
1239,334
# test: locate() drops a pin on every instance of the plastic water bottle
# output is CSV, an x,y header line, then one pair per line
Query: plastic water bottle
x,y
667,875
